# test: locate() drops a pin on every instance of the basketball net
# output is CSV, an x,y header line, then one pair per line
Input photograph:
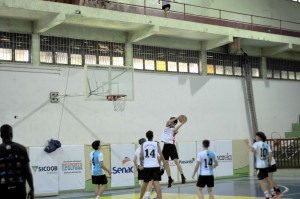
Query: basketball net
x,y
119,102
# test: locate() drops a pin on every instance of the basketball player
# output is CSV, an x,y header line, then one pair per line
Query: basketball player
x,y
262,155
149,160
98,176
271,182
169,149
207,160
136,161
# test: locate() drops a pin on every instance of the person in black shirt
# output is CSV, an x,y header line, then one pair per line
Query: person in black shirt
x,y
14,167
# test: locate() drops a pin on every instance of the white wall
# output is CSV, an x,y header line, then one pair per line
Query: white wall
x,y
215,107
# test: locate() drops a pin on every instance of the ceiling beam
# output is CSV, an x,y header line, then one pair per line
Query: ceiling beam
x,y
45,24
274,50
215,43
142,34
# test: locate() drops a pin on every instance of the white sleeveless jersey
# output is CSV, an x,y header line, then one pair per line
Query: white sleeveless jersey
x,y
261,154
168,135
207,159
150,154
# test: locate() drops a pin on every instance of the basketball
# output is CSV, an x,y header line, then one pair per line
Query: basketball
x,y
182,118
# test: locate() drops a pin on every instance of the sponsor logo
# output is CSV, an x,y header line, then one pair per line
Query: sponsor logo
x,y
119,170
126,159
225,157
72,166
47,169
191,161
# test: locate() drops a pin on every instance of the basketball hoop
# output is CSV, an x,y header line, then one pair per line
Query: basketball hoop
x,y
118,100
276,139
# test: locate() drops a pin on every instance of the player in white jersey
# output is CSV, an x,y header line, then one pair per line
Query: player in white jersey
x,y
271,182
136,161
262,154
97,166
150,164
207,160
169,149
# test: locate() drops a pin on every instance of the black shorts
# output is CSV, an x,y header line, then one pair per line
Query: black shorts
x,y
170,151
166,6
262,173
140,174
99,179
152,174
206,180
272,169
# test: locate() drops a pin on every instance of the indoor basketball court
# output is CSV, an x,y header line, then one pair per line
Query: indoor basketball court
x,y
98,92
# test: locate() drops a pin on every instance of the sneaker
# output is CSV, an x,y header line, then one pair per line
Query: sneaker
x,y
269,197
170,181
183,180
274,195
279,193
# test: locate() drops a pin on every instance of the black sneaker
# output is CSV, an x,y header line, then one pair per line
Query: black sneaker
x,y
183,180
170,181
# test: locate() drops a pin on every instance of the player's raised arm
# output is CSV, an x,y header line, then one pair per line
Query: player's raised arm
x,y
178,127
171,121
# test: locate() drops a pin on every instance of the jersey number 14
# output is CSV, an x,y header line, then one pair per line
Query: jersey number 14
x,y
209,162
152,153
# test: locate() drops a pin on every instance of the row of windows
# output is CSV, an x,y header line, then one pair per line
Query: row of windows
x,y
15,47
165,59
231,65
65,51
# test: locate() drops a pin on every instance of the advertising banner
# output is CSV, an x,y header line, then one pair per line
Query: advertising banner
x,y
223,151
187,158
71,167
44,168
122,166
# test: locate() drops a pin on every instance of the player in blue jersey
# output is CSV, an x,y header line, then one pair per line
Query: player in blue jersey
x,y
207,160
262,155
97,166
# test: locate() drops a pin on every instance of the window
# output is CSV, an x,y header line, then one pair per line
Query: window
x,y
104,60
219,70
46,57
194,68
61,58
118,61
172,66
15,47
183,67
76,59
6,54
90,59
161,66
226,64
210,69
79,52
166,59
149,65
138,63
283,69
228,70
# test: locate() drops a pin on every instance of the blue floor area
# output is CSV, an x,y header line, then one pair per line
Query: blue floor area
x,y
247,187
